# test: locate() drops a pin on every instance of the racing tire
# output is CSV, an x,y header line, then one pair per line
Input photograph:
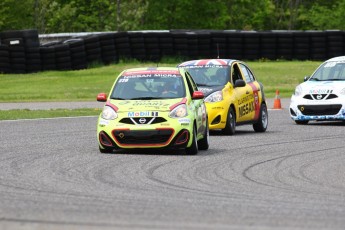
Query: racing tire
x,y
301,122
230,127
193,149
105,150
204,143
262,123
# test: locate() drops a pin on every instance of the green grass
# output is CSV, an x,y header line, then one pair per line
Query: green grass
x,y
84,85
32,114
282,75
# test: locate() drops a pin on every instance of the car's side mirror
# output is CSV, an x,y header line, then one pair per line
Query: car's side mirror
x,y
198,95
240,83
306,78
102,97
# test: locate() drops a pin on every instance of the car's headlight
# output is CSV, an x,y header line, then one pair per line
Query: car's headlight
x,y
179,111
108,113
215,97
298,91
342,92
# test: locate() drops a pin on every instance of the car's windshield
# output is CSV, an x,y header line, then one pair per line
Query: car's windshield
x,y
330,71
209,75
148,87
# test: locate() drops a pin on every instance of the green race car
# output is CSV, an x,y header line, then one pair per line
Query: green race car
x,y
151,108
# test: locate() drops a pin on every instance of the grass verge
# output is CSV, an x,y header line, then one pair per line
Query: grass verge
x,y
33,114
84,85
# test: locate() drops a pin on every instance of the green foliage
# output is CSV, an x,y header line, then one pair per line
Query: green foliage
x,y
319,17
14,15
56,16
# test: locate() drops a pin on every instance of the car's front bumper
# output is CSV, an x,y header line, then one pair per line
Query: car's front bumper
x,y
173,134
306,110
217,115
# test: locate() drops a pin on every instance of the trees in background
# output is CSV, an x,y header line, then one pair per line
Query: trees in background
x,y
56,16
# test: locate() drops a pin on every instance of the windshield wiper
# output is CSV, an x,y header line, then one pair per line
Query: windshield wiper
x,y
200,84
145,98
314,79
335,79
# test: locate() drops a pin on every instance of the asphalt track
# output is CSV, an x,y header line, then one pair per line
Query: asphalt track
x,y
291,177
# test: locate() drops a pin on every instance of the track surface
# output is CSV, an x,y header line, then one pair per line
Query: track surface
x,y
291,177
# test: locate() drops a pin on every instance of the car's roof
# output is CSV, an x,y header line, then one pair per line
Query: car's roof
x,y
208,62
340,58
151,70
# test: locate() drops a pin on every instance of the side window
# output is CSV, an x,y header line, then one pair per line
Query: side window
x,y
251,75
235,74
191,84
245,73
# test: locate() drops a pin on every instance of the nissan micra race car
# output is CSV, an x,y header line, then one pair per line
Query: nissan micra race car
x,y
322,96
153,108
233,96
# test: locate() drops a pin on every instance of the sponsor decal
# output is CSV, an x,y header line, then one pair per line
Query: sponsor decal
x,y
184,120
245,99
246,108
103,122
256,100
320,91
149,103
142,114
205,90
151,73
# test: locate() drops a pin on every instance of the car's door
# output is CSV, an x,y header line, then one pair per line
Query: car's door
x,y
252,107
243,94
198,105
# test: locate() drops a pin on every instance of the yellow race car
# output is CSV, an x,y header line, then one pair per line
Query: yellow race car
x,y
233,96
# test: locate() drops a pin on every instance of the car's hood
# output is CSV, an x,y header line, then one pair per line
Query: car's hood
x,y
144,105
324,87
207,90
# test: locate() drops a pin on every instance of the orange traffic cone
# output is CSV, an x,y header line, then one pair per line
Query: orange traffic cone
x,y
277,103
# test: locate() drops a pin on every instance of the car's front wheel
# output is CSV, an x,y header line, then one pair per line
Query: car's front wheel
x,y
230,126
262,123
193,149
204,143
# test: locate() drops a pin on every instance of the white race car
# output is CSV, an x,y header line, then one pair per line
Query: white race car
x,y
321,97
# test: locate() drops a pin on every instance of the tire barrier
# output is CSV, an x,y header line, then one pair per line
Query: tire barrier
x,y
5,66
21,51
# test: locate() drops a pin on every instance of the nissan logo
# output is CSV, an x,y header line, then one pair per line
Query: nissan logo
x,y
319,97
142,120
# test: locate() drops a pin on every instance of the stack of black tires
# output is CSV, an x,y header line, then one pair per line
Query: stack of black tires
x,y
21,51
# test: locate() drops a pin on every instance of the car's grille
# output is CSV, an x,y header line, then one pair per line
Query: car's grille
x,y
143,137
320,96
318,110
142,120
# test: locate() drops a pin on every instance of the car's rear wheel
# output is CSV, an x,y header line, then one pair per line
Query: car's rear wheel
x,y
193,149
298,122
230,126
262,123
204,143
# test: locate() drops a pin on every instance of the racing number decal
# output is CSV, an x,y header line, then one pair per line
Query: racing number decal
x,y
256,100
